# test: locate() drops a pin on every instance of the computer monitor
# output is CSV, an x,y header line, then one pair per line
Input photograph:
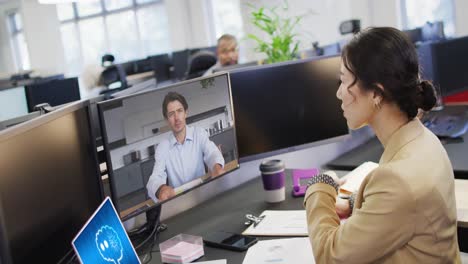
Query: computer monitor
x,y
180,60
136,135
287,106
143,65
12,103
445,64
161,65
55,92
414,35
433,31
50,184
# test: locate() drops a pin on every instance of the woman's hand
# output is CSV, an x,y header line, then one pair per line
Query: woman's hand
x,y
342,207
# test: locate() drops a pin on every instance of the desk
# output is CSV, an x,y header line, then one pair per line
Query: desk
x,y
373,149
227,212
139,77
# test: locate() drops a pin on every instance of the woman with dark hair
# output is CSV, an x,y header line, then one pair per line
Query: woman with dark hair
x,y
404,211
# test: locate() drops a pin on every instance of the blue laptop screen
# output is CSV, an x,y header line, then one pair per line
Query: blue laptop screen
x,y
103,239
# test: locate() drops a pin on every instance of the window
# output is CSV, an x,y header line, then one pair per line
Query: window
x,y
227,18
18,42
417,12
128,29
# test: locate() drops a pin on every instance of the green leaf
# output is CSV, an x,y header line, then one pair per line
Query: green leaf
x,y
280,44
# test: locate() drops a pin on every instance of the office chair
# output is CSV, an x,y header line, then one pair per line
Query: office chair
x,y
114,74
107,60
199,63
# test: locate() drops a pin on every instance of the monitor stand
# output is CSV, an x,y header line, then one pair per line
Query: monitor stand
x,y
146,236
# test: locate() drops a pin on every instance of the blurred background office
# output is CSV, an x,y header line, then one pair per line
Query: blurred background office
x,y
71,38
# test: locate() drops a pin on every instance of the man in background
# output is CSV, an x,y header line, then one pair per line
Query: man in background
x,y
227,52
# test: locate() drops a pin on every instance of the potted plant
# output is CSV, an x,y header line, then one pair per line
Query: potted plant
x,y
281,44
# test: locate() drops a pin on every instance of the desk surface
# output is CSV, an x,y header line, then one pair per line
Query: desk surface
x,y
373,149
226,212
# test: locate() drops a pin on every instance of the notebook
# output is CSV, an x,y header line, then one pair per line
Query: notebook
x,y
356,177
103,239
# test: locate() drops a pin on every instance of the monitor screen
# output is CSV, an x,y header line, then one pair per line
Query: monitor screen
x,y
55,92
450,65
414,35
161,64
50,184
12,103
285,105
180,60
153,157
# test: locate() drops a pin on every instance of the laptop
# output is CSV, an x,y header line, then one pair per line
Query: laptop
x,y
103,239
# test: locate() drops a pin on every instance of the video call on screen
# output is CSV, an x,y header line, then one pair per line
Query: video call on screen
x,y
135,125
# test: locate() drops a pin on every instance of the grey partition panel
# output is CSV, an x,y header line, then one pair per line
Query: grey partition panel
x,y
129,178
147,169
226,139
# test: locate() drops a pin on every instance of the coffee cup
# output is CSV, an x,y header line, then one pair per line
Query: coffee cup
x,y
273,178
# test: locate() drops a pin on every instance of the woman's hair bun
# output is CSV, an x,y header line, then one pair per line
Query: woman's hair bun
x,y
428,96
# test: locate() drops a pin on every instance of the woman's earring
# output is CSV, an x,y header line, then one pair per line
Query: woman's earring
x,y
377,105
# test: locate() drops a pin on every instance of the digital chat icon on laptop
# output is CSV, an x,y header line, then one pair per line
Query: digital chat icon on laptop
x,y
103,239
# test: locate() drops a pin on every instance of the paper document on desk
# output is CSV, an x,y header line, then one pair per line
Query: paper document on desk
x,y
279,251
220,261
280,223
356,177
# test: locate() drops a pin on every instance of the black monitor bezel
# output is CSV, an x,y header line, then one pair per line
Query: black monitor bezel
x,y
37,122
110,171
29,90
296,147
436,54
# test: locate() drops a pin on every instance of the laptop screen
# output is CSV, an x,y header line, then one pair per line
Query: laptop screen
x,y
103,238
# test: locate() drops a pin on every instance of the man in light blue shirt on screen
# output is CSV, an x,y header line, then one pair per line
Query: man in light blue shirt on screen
x,y
181,157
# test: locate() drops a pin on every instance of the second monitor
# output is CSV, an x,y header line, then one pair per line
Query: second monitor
x,y
285,105
165,142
